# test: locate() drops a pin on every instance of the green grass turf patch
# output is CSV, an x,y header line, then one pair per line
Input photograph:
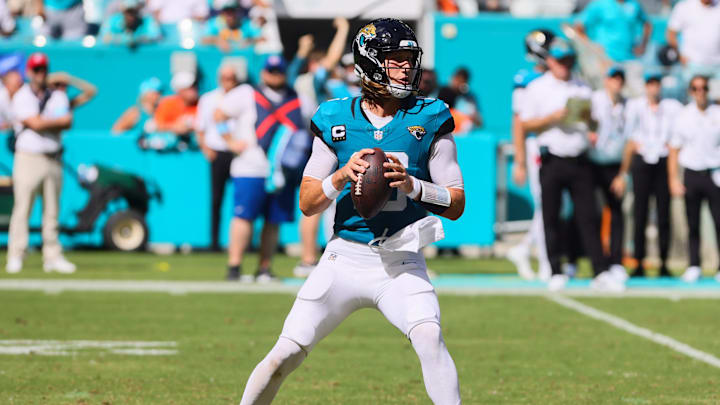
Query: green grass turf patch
x,y
507,350
691,321
205,266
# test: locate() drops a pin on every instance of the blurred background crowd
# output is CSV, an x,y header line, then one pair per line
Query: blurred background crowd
x,y
185,59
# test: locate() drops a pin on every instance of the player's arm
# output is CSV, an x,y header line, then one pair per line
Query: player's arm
x,y
677,188
538,125
321,183
519,166
445,194
619,183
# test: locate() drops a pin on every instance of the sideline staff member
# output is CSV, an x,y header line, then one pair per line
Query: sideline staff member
x,y
695,145
650,120
40,117
563,145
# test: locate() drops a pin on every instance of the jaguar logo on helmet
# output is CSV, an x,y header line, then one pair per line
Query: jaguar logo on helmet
x,y
417,131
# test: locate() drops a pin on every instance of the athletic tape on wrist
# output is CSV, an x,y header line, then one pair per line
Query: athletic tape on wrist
x,y
417,188
434,194
328,189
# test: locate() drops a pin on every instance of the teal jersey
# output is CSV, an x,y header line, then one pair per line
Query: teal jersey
x,y
342,125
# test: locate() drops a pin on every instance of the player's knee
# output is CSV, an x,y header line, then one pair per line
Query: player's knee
x,y
285,357
426,336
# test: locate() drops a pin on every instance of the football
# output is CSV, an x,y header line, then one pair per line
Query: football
x,y
372,190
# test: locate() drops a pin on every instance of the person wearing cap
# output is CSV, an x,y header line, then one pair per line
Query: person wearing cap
x,y
557,108
693,30
40,115
64,19
265,118
614,24
176,113
141,114
214,147
608,143
695,145
649,121
463,104
130,27
526,162
227,28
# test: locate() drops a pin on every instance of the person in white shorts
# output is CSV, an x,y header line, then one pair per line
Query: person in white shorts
x,y
377,262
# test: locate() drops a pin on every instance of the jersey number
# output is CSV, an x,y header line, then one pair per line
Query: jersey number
x,y
398,199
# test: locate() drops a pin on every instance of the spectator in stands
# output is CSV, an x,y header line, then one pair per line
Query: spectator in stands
x,y
23,8
7,22
12,81
312,87
176,113
649,122
62,80
463,104
563,139
343,81
428,84
130,27
695,145
63,18
494,6
264,117
174,11
228,28
608,143
40,115
141,114
698,23
214,147
614,24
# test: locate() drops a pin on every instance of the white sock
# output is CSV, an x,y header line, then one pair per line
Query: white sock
x,y
438,368
265,380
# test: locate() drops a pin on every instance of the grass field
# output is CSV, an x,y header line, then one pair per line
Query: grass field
x,y
508,349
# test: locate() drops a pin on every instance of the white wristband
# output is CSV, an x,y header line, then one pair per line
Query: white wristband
x,y
417,188
328,189
435,194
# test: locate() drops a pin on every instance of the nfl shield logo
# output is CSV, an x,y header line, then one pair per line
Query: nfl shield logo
x,y
378,135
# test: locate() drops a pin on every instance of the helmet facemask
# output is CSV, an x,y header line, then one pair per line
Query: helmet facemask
x,y
387,69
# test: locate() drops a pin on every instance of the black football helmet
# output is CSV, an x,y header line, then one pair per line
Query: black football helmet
x,y
537,45
371,46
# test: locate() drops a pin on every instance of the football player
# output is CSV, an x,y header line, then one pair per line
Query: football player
x,y
376,263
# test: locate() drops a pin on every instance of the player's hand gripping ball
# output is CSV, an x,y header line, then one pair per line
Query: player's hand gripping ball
x,y
372,190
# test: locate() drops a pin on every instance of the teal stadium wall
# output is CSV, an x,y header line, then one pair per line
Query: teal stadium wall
x,y
489,45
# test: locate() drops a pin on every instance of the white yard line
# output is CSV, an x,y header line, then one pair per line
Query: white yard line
x,y
636,330
74,347
55,286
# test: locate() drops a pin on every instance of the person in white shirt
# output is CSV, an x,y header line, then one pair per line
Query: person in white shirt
x,y
174,11
649,124
12,81
261,117
40,116
608,110
695,146
526,162
563,143
694,30
214,147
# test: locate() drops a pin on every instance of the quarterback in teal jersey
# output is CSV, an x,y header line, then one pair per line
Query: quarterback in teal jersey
x,y
377,262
